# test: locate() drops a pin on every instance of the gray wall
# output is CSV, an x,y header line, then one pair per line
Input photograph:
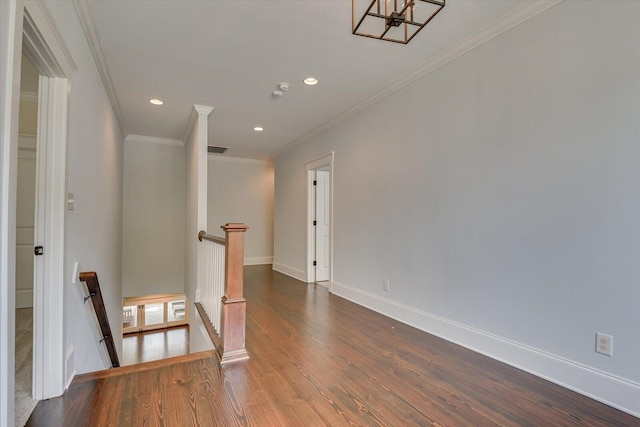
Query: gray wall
x,y
499,195
241,190
94,174
154,217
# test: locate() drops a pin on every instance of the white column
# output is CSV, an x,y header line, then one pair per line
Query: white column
x,y
196,190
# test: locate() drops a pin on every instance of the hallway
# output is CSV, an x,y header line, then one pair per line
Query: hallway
x,y
316,360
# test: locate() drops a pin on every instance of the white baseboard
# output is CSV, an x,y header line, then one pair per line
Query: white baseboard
x,y
617,392
324,284
258,260
24,298
290,271
70,380
70,365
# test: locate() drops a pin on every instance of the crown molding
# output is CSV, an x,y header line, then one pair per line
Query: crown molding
x,y
91,33
518,16
222,158
43,43
69,65
202,109
195,112
153,140
28,96
193,116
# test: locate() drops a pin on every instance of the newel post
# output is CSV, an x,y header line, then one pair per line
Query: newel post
x,y
234,306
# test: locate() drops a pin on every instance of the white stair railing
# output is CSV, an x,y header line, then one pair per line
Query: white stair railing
x,y
211,275
221,290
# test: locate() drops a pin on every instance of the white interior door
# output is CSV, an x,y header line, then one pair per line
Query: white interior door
x,y
322,225
25,208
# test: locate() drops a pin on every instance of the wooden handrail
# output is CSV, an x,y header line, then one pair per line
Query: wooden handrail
x,y
91,279
202,235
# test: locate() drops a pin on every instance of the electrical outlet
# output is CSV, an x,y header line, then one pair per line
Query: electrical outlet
x,y
385,285
604,344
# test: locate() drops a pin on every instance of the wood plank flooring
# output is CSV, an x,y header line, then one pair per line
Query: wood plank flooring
x,y
155,345
319,360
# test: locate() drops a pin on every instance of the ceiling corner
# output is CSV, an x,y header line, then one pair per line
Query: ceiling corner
x,y
505,23
91,33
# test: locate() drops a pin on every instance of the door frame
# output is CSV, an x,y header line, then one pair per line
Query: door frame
x,y
310,167
31,25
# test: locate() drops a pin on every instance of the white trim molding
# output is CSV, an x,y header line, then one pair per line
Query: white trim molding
x,y
222,158
523,13
310,167
49,231
196,111
258,260
290,271
95,45
614,391
65,60
70,371
44,45
202,109
153,140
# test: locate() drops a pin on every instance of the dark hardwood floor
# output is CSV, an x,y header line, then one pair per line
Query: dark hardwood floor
x,y
155,345
319,360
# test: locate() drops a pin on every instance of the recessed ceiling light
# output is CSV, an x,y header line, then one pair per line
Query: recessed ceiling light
x,y
156,101
258,129
310,81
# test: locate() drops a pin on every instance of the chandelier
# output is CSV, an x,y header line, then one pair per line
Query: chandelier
x,y
393,20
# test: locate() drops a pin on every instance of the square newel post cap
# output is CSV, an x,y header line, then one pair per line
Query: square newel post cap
x,y
231,227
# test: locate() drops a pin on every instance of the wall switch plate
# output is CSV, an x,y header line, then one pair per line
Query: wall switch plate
x,y
385,285
71,201
74,274
604,344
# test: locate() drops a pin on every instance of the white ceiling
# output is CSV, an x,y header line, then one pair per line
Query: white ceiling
x,y
230,55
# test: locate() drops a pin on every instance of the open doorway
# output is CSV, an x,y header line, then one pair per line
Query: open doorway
x,y
25,222
30,30
320,220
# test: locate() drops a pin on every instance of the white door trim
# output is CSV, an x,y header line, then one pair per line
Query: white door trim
x,y
322,224
310,167
10,14
45,47
49,339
